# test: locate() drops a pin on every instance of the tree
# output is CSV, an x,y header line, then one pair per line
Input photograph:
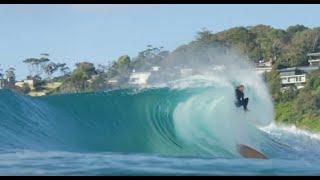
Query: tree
x,y
204,35
307,103
31,65
65,70
273,79
80,76
302,42
1,73
36,65
276,49
101,69
38,82
152,56
269,42
11,77
25,89
123,64
86,68
41,63
120,68
123,68
62,67
50,68
313,81
98,83
288,95
112,69
296,28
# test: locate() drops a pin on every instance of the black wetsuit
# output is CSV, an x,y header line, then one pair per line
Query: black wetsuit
x,y
240,100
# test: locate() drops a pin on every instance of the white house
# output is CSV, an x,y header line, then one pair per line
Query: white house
x,y
113,81
263,67
139,78
29,82
155,68
292,76
293,79
261,70
93,77
314,59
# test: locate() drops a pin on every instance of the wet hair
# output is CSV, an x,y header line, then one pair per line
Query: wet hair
x,y
240,86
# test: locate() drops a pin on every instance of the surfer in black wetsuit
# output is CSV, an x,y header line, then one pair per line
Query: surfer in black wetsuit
x,y
240,100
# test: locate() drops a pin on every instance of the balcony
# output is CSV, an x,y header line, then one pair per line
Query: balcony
x,y
293,79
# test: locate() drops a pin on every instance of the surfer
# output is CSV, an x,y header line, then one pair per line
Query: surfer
x,y
240,100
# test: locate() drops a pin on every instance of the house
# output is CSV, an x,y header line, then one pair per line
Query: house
x,y
155,68
261,70
113,81
10,81
52,85
92,79
292,76
185,72
29,82
263,63
139,78
263,67
308,69
296,75
314,59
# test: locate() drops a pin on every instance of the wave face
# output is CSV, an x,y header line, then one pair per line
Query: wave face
x,y
197,121
188,127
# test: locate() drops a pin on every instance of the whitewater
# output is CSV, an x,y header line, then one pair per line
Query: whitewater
x,y
186,127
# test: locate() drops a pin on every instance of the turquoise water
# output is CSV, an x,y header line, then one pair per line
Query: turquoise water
x,y
157,131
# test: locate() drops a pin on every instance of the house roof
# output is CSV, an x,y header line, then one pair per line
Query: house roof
x,y
314,54
287,69
314,60
301,68
113,80
308,68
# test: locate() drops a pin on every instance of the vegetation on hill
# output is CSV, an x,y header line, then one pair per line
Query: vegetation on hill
x,y
299,107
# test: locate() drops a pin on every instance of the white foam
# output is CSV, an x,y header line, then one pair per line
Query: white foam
x,y
290,129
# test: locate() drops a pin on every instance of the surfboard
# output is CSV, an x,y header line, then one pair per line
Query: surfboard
x,y
249,152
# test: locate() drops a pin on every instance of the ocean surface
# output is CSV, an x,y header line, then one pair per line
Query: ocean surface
x,y
182,129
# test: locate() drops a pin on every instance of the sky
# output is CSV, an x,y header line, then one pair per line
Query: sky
x,y
100,33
